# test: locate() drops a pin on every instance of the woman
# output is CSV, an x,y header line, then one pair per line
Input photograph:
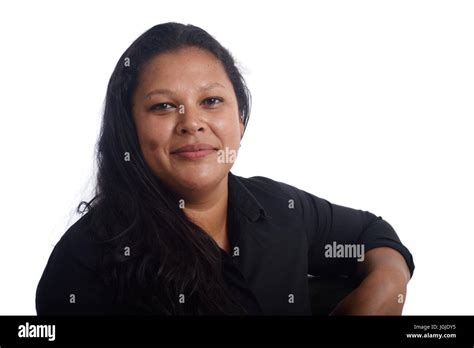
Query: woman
x,y
172,231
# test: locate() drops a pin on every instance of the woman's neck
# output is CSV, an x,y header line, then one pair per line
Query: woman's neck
x,y
209,211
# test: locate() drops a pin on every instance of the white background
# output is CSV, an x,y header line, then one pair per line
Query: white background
x,y
368,104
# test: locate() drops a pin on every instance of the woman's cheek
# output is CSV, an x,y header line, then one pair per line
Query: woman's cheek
x,y
228,132
158,134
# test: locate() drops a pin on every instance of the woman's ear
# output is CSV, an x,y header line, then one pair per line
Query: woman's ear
x,y
242,128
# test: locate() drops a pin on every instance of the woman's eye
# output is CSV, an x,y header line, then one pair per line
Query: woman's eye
x,y
212,101
161,106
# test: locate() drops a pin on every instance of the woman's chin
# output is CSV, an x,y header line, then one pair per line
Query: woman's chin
x,y
197,179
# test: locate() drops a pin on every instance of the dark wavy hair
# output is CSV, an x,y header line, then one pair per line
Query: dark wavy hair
x,y
168,254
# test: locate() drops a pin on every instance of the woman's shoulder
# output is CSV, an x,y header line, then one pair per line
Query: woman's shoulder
x,y
70,279
264,186
78,242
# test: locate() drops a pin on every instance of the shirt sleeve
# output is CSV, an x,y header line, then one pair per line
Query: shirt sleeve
x,y
333,230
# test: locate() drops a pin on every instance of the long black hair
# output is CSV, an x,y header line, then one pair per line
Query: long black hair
x,y
153,254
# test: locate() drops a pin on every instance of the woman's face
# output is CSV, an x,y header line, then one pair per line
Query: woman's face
x,y
184,97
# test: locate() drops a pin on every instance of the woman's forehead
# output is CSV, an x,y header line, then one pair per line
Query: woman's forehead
x,y
188,58
184,68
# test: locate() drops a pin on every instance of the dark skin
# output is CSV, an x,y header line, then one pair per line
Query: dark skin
x,y
385,275
192,78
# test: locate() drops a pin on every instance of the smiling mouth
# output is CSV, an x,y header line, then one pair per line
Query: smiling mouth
x,y
194,151
193,155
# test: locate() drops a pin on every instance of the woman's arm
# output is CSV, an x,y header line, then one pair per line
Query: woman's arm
x,y
384,277
384,271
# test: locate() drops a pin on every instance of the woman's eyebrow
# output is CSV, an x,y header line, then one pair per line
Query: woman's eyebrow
x,y
170,92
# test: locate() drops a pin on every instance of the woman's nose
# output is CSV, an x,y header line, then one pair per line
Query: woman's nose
x,y
189,120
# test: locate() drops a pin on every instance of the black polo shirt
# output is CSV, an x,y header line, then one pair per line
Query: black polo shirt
x,y
278,233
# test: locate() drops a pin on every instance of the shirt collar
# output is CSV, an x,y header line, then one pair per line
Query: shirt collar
x,y
242,199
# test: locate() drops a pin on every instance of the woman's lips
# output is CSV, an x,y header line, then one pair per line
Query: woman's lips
x,y
193,155
194,151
